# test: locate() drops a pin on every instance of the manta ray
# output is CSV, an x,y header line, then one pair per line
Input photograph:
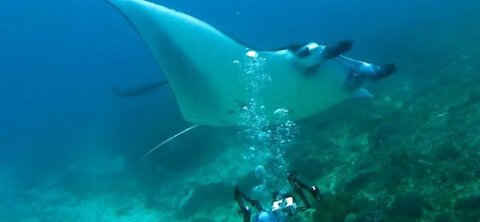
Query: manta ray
x,y
206,68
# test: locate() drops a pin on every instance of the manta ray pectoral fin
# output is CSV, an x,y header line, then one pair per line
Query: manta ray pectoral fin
x,y
363,93
196,59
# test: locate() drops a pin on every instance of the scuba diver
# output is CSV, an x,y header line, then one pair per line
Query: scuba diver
x,y
283,205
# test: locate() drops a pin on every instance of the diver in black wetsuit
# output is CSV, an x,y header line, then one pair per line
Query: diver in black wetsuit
x,y
283,206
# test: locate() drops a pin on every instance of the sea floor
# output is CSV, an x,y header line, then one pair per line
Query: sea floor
x,y
410,154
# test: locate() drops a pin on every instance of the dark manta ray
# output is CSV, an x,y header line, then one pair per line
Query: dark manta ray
x,y
204,68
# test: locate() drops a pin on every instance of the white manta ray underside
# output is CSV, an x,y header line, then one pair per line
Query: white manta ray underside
x,y
204,69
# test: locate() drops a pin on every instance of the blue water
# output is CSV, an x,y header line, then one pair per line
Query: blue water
x,y
60,59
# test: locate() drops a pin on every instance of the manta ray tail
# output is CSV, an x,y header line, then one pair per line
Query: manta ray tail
x,y
170,139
